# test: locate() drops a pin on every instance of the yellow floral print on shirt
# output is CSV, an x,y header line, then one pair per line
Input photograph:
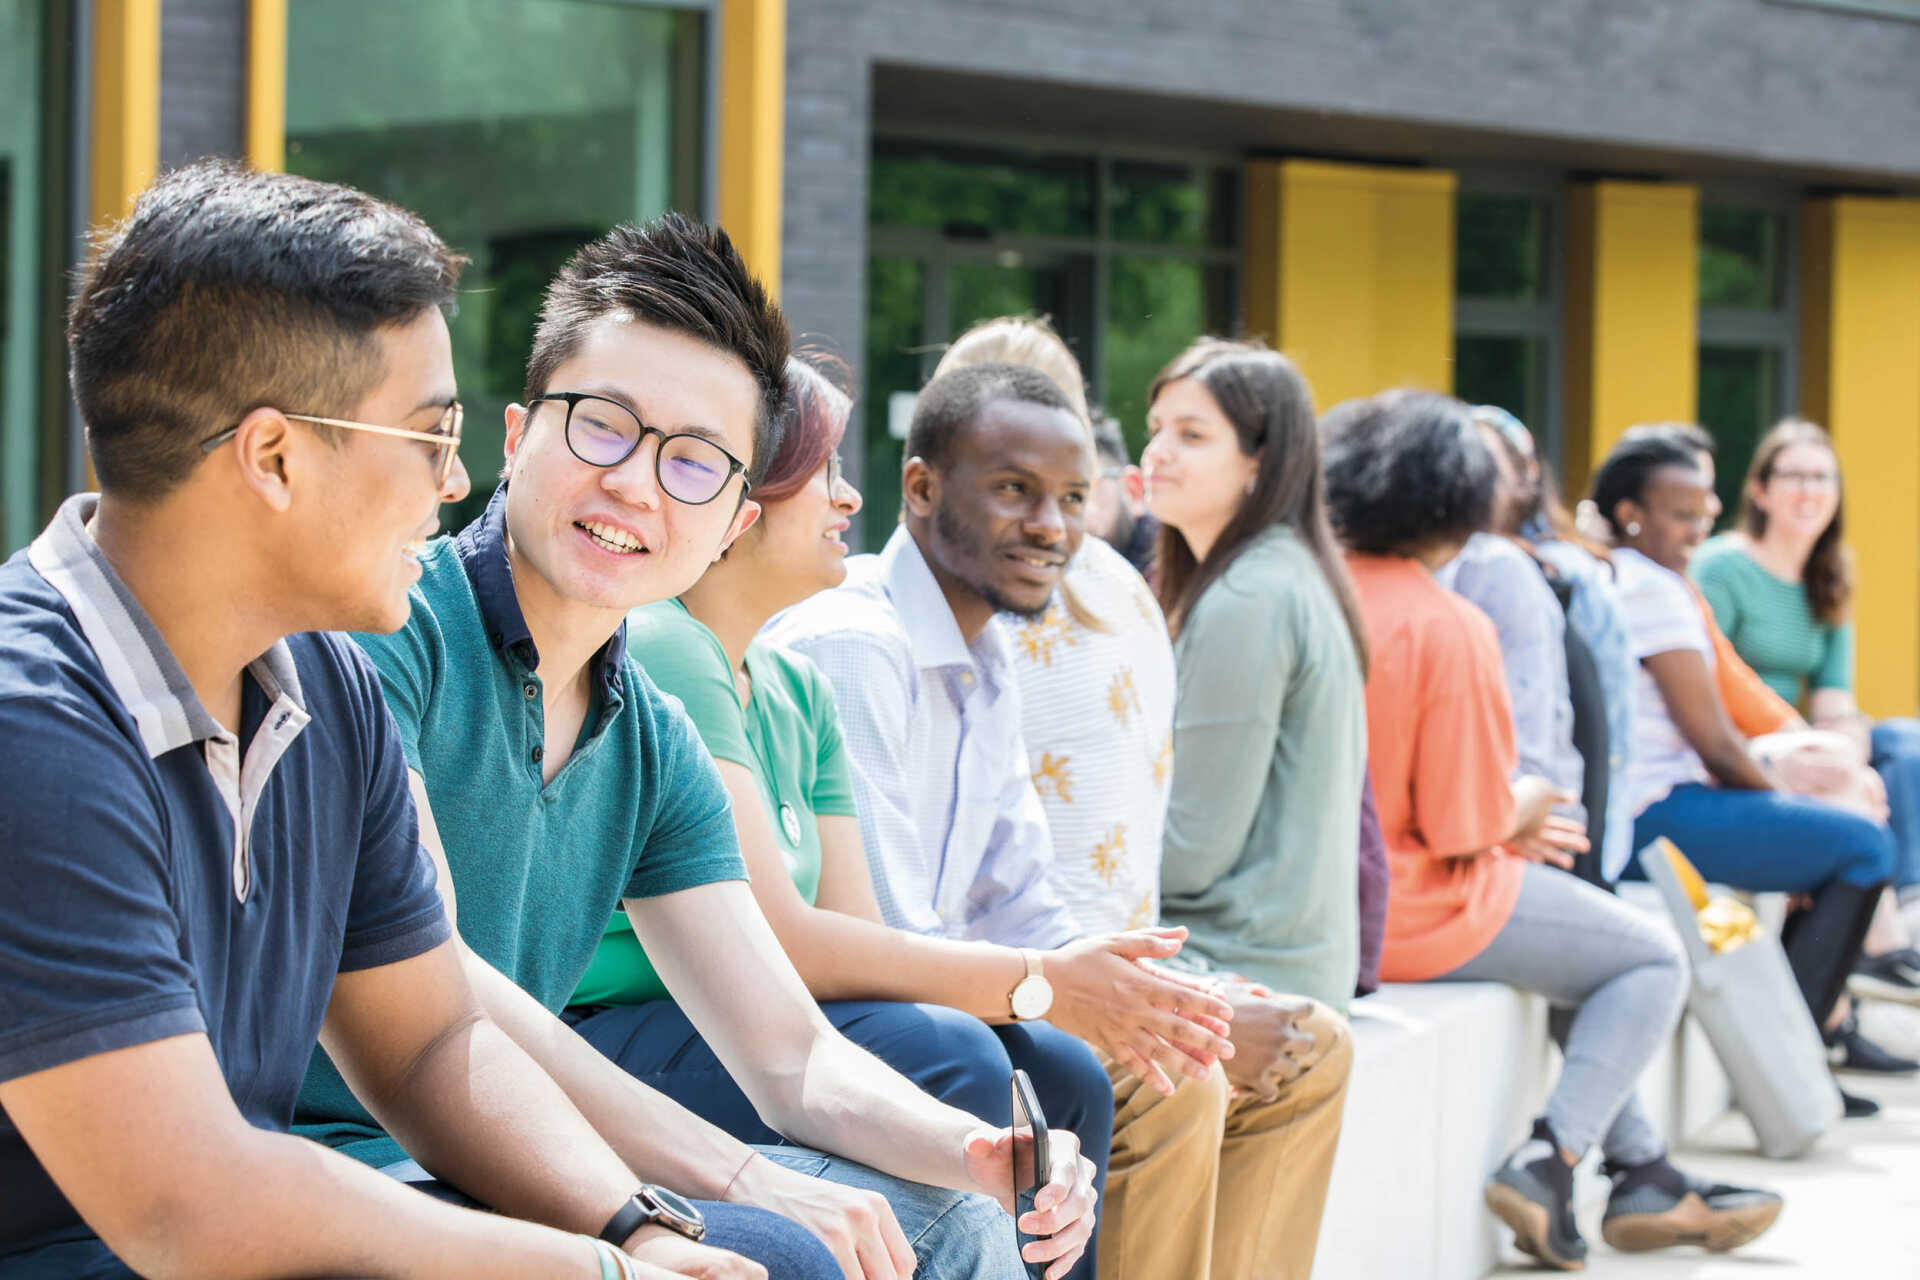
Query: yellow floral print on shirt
x,y
1054,777
1110,852
1122,698
1039,638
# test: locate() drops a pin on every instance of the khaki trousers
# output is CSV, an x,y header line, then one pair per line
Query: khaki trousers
x,y
1207,1186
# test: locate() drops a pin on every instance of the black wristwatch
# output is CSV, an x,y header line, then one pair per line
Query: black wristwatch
x,y
654,1206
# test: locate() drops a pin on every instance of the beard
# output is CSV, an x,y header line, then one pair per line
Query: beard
x,y
967,546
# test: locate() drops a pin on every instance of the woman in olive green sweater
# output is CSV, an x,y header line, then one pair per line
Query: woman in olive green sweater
x,y
1269,736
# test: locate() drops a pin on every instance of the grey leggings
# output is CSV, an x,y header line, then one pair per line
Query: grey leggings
x,y
1616,979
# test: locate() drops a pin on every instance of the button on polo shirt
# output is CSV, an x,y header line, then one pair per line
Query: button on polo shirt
x,y
539,867
163,876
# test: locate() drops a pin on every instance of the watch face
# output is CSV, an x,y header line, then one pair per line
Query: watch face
x,y
677,1205
1032,998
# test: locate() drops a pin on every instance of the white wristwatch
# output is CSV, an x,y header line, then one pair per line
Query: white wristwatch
x,y
1033,995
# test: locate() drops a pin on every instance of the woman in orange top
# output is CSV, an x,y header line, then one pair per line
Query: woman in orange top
x,y
1478,889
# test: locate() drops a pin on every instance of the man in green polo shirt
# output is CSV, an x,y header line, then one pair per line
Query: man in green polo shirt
x,y
557,782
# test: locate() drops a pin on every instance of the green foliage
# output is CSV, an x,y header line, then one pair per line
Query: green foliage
x,y
981,190
1742,257
1501,243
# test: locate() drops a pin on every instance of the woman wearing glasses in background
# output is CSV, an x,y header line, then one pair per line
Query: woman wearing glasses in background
x,y
1781,587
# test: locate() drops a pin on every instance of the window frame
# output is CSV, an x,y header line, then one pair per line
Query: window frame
x,y
1542,319
939,252
1775,329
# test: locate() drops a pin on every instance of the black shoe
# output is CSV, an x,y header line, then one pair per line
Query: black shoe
x,y
1655,1206
1849,1050
1533,1194
1857,1107
1894,976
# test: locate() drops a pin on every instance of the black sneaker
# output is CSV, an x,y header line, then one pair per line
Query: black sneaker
x,y
1855,1107
1849,1050
1893,976
1655,1206
1533,1194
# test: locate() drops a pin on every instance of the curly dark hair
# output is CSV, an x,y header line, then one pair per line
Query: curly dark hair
x,y
1406,470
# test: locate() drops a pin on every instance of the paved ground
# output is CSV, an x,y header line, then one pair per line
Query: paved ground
x,y
1853,1204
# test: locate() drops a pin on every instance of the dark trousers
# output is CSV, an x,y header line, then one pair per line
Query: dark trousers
x,y
951,1055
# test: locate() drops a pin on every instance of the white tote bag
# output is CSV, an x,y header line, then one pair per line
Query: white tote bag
x,y
1749,1004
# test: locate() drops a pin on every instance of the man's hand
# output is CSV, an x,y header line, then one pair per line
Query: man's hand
x,y
858,1227
1271,1046
679,1256
1540,834
1063,1209
1148,1021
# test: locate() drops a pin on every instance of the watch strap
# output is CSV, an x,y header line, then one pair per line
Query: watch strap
x,y
626,1220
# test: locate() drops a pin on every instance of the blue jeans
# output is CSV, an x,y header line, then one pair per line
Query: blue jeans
x,y
1766,841
1896,758
951,1055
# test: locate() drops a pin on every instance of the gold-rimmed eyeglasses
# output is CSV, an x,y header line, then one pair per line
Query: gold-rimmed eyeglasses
x,y
445,435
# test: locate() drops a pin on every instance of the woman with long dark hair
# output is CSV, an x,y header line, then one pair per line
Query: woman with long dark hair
x,y
1269,740
1479,889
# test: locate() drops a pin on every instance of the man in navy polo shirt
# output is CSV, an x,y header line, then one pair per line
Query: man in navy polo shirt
x,y
559,784
211,856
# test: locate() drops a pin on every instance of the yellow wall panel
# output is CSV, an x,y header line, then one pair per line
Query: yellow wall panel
x,y
1349,269
1860,360
267,84
753,86
1632,314
125,151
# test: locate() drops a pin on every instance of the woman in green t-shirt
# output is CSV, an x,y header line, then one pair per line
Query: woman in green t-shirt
x,y
936,1009
1781,588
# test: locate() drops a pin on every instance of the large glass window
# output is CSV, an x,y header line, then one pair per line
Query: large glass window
x,y
519,129
1506,307
1747,319
1131,258
21,246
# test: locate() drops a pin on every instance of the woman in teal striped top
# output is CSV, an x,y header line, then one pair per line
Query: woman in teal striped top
x,y
1781,587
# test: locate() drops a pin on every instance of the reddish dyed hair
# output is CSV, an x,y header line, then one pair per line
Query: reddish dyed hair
x,y
813,418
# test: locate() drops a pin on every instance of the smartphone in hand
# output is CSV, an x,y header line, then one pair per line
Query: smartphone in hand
x,y
1032,1167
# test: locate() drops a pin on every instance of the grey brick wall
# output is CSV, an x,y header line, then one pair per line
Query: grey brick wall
x,y
203,89
1798,95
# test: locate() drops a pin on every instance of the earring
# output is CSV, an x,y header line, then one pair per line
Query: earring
x,y
1633,528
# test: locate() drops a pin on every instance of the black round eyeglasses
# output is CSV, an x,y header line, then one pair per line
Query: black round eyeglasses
x,y
690,468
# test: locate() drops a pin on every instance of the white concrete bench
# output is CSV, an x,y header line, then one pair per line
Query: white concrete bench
x,y
1447,1078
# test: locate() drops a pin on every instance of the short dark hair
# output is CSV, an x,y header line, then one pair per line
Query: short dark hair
x,y
952,402
1692,435
1405,470
682,276
1108,441
226,290
1632,463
